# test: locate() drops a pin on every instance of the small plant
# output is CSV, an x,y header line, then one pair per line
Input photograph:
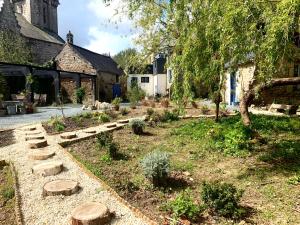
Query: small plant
x,y
295,180
104,118
104,138
156,167
116,103
165,103
137,126
150,112
194,104
135,95
124,111
80,93
87,115
8,193
204,109
184,206
112,114
112,149
106,158
223,198
168,116
57,124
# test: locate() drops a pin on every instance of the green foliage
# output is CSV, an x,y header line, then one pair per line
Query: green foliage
x,y
8,193
106,158
156,166
168,116
3,87
295,180
135,95
116,102
57,123
137,126
124,111
184,206
80,94
150,112
86,115
224,198
105,140
104,118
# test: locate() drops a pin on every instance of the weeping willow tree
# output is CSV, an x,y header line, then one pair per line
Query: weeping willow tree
x,y
13,48
206,38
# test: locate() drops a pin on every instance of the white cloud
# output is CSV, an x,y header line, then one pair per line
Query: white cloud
x,y
1,2
106,42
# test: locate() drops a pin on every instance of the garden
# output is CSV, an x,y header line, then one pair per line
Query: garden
x,y
197,171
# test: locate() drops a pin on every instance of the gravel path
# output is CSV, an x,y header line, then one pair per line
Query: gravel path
x,y
38,210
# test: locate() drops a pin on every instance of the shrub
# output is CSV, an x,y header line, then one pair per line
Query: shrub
x,y
204,109
104,118
150,112
295,180
135,95
168,116
111,113
152,104
104,138
8,193
156,167
165,103
80,93
223,198
116,103
137,126
112,149
124,111
87,115
184,206
57,123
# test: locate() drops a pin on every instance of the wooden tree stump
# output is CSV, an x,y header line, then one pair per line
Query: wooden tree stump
x,y
48,168
29,129
123,121
42,155
34,137
90,131
33,144
60,187
68,136
91,214
111,125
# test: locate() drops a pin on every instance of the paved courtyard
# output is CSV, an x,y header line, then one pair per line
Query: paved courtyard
x,y
43,114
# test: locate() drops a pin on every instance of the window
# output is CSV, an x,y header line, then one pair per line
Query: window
x,y
134,81
145,79
45,15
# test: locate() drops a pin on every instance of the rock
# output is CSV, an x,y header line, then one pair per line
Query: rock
x,y
123,121
69,135
41,155
91,214
60,187
33,144
83,107
186,173
48,168
34,137
103,106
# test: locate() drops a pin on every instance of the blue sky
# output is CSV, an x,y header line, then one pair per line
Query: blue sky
x,y
94,25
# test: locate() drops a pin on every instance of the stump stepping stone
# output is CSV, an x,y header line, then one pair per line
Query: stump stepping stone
x,y
111,125
41,155
48,168
33,133
123,121
91,213
68,135
60,187
90,131
33,144
29,128
34,137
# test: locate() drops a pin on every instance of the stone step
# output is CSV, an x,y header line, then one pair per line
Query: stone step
x,y
70,135
123,121
29,129
34,137
33,133
41,154
34,144
91,213
111,125
60,187
48,168
90,131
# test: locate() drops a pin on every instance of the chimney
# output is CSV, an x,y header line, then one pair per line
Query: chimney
x,y
70,38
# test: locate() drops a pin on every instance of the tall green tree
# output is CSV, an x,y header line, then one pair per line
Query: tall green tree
x,y
127,59
13,48
206,38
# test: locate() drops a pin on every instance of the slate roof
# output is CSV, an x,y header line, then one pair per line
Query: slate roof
x,y
31,31
100,62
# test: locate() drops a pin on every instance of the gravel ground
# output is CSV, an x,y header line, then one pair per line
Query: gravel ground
x,y
56,210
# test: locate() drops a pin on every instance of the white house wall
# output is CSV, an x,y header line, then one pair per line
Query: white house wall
x,y
147,87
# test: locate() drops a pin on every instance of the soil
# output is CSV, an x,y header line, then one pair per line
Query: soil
x,y
7,203
6,138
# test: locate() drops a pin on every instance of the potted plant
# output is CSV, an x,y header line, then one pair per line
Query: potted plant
x,y
116,103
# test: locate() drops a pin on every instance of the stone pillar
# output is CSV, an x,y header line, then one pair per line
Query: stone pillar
x,y
57,87
94,89
78,80
28,85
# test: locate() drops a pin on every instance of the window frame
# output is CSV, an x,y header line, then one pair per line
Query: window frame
x,y
145,80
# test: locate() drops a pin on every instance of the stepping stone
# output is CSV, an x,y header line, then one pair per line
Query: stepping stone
x,y
42,155
90,131
60,187
111,125
31,137
33,133
33,144
68,136
29,129
123,121
48,168
91,214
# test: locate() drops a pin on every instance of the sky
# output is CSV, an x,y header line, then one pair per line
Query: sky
x,y
94,25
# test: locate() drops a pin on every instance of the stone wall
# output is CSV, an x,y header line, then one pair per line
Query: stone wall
x,y
105,82
68,87
87,84
7,17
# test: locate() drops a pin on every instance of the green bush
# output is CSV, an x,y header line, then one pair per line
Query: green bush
x,y
135,95
57,123
223,198
8,193
116,103
156,167
87,115
104,138
150,112
137,126
112,149
104,118
184,206
124,111
168,116
80,94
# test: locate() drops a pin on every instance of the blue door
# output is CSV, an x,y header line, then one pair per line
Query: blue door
x,y
233,88
117,90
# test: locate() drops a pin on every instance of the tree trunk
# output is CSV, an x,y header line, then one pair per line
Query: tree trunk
x,y
250,94
217,102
